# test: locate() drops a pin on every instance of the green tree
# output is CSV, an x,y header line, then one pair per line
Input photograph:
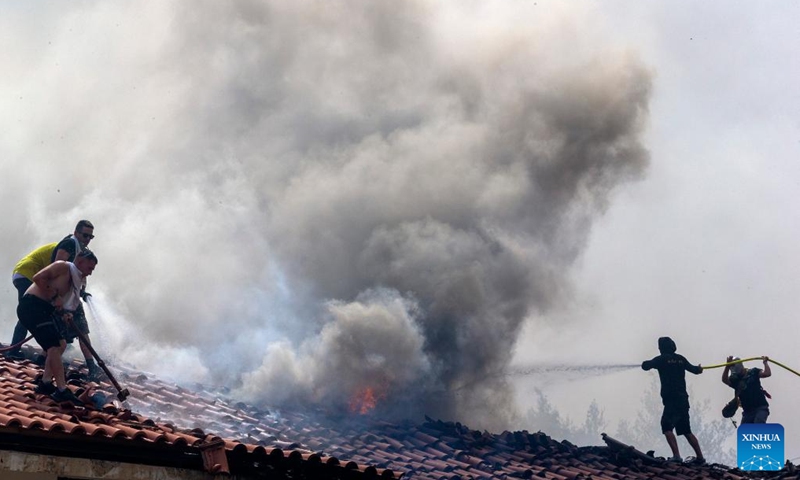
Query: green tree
x,y
594,426
546,418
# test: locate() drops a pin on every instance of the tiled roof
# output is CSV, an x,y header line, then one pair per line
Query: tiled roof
x,y
104,429
162,418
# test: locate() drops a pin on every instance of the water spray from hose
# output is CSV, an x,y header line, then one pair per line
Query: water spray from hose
x,y
90,302
599,369
100,329
580,371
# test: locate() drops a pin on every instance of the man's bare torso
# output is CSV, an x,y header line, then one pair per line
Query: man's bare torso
x,y
56,286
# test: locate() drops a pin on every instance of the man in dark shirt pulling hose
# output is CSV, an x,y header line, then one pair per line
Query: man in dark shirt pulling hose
x,y
747,385
672,370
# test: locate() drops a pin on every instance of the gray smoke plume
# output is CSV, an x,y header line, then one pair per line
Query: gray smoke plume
x,y
308,200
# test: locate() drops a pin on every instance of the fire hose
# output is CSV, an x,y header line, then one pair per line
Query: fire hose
x,y
726,364
16,345
735,400
122,393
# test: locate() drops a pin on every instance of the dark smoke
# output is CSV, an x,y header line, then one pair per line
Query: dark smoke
x,y
305,200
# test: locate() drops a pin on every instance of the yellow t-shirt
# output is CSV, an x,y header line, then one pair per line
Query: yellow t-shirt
x,y
35,261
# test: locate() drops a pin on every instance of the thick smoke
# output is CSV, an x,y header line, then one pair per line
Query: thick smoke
x,y
309,199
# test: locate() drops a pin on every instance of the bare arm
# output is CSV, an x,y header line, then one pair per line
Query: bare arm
x,y
726,372
767,371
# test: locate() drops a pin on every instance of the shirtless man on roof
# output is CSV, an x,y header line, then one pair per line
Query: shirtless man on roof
x,y
55,288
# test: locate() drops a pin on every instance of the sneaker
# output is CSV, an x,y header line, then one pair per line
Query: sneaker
x,y
15,355
74,375
66,396
675,460
695,461
45,388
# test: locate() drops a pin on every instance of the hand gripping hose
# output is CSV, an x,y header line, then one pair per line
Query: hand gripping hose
x,y
749,359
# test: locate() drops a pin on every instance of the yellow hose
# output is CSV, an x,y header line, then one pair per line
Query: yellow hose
x,y
749,359
733,362
784,366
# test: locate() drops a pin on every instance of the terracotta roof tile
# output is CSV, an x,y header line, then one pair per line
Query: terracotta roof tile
x,y
166,416
103,418
52,422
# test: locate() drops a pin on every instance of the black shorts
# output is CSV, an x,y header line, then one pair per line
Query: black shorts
x,y
676,416
36,315
78,318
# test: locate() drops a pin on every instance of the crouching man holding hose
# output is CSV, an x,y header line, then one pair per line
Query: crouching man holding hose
x,y
56,289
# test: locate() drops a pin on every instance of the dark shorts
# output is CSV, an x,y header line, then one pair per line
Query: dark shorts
x,y
676,416
78,318
755,415
37,316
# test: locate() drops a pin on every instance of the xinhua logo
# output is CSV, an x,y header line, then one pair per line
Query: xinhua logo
x,y
760,446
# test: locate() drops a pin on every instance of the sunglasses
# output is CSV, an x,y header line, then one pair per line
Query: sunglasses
x,y
87,235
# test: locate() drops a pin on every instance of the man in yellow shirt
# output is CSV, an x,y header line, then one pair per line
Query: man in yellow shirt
x,y
22,278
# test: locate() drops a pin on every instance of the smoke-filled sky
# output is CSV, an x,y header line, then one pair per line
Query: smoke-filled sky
x,y
301,201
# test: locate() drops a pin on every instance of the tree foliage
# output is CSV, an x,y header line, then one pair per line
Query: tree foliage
x,y
546,418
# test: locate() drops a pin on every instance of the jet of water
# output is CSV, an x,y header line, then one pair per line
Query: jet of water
x,y
566,372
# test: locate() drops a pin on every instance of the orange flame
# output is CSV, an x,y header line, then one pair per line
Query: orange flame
x,y
365,400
